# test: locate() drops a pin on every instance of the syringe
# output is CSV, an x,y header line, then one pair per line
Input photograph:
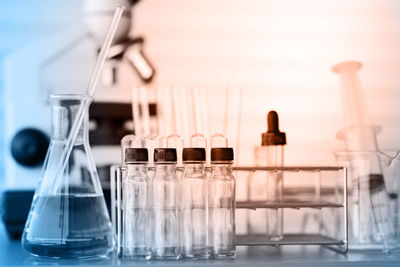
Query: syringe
x,y
360,136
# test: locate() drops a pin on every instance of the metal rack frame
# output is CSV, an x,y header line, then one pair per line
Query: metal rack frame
x,y
340,245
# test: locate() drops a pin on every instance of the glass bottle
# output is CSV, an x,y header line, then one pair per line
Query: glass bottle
x,y
270,154
136,220
165,245
221,204
194,204
68,216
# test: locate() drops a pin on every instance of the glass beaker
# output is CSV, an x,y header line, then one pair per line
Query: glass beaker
x,y
68,216
373,199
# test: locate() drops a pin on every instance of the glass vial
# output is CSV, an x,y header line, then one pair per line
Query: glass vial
x,y
136,220
194,204
165,245
221,204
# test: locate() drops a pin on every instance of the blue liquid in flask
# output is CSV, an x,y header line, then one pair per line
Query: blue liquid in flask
x,y
68,226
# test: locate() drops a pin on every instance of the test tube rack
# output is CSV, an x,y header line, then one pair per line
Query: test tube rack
x,y
315,197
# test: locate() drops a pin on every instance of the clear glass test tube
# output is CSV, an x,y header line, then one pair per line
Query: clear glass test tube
x,y
176,141
151,142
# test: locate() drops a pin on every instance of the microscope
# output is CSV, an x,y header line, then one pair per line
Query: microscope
x,y
27,113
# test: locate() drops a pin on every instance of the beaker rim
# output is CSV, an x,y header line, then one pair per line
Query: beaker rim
x,y
69,97
387,152
385,155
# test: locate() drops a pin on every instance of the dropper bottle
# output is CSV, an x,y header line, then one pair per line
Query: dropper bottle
x,y
271,154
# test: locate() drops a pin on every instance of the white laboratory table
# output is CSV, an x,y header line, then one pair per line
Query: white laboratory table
x,y
11,253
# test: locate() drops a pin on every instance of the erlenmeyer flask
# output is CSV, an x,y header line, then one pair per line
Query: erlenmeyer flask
x,y
68,216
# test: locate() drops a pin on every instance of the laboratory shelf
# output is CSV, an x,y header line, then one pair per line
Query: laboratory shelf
x,y
287,203
288,239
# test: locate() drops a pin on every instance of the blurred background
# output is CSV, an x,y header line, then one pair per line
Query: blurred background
x,y
280,53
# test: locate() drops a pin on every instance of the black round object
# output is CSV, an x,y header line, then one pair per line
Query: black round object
x,y
136,155
165,155
273,136
133,2
376,182
29,147
194,154
221,154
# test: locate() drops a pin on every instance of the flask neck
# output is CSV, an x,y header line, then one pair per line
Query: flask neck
x,y
65,110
